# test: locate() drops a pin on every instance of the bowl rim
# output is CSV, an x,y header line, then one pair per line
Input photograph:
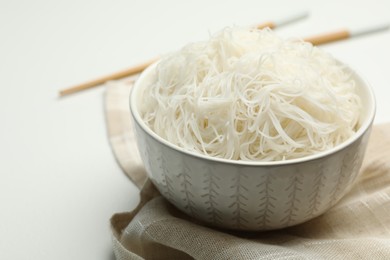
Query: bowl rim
x,y
365,126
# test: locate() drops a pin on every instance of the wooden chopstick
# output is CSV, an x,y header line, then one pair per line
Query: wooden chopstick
x,y
118,75
315,40
344,34
328,37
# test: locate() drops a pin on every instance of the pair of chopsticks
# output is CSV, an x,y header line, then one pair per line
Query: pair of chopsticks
x,y
315,40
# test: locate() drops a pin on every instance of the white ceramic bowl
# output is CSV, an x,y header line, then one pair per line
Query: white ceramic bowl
x,y
253,196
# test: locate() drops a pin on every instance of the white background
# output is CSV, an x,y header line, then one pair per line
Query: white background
x,y
59,182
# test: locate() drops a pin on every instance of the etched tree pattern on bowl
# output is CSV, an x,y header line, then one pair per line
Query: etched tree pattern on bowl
x,y
239,200
315,196
186,194
293,188
266,206
211,191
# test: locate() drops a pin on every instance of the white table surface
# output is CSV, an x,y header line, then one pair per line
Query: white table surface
x,y
59,182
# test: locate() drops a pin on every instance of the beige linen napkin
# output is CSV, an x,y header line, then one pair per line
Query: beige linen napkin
x,y
358,227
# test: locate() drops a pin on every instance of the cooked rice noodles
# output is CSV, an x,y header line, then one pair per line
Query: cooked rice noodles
x,y
249,95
